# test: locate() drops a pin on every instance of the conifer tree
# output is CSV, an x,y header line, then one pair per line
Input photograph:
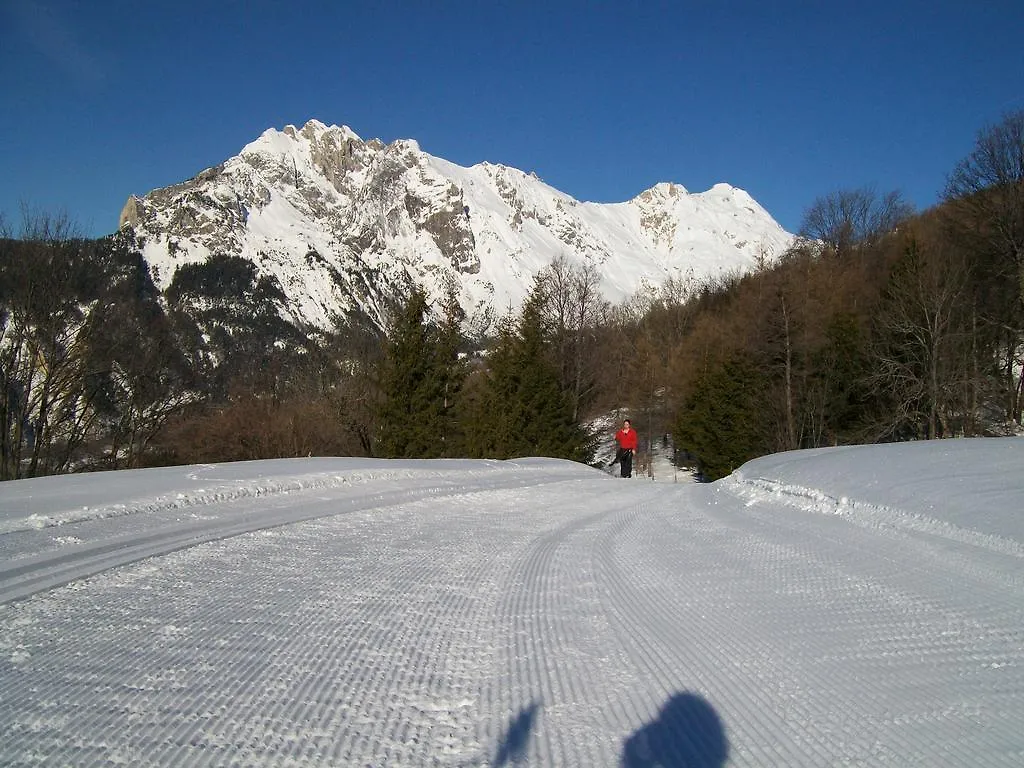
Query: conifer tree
x,y
523,410
420,382
452,370
724,422
410,412
838,393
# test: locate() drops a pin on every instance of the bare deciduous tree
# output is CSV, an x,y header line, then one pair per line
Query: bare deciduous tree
x,y
576,309
922,358
986,191
985,213
46,399
847,218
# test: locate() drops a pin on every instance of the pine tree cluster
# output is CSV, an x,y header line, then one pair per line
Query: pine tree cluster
x,y
435,404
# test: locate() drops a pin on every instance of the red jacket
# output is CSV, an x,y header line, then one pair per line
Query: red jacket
x,y
627,440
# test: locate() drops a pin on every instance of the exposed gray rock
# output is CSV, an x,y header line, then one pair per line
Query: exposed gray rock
x,y
345,225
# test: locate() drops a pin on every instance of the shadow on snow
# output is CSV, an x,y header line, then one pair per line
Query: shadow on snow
x,y
512,748
687,732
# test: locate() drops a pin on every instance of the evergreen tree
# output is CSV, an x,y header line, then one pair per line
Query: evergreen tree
x,y
523,410
724,422
421,381
449,341
838,391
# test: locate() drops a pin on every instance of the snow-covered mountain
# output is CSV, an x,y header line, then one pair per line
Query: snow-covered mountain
x,y
345,224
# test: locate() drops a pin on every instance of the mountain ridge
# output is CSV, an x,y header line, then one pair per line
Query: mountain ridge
x,y
346,225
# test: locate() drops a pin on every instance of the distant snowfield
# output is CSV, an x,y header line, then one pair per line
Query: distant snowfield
x,y
849,606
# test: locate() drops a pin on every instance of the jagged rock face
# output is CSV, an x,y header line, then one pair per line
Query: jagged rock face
x,y
345,225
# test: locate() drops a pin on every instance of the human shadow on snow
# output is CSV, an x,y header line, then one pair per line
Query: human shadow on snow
x,y
686,734
512,748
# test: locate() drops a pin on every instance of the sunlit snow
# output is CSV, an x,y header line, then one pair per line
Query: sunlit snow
x,y
847,606
322,190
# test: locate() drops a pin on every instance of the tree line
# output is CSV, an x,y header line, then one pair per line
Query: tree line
x,y
101,370
879,324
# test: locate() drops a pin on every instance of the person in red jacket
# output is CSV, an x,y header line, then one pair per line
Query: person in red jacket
x,y
628,443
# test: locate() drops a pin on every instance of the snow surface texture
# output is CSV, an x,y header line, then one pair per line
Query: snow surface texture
x,y
850,606
340,221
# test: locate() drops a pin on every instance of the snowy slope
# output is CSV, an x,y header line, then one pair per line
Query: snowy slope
x,y
345,223
859,606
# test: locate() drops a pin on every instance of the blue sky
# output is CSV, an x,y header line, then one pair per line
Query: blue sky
x,y
788,100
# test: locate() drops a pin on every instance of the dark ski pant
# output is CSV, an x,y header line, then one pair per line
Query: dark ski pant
x,y
626,462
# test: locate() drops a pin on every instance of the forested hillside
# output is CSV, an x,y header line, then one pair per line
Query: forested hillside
x,y
879,324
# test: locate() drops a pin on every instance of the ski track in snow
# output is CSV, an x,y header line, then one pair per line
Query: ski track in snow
x,y
173,521
490,614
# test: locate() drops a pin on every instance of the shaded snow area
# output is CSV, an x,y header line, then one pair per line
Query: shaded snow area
x,y
850,606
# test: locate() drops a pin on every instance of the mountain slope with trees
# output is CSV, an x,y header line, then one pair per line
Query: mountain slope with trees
x,y
878,324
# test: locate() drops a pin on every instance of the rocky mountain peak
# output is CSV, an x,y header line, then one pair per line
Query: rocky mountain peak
x,y
664,190
344,225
